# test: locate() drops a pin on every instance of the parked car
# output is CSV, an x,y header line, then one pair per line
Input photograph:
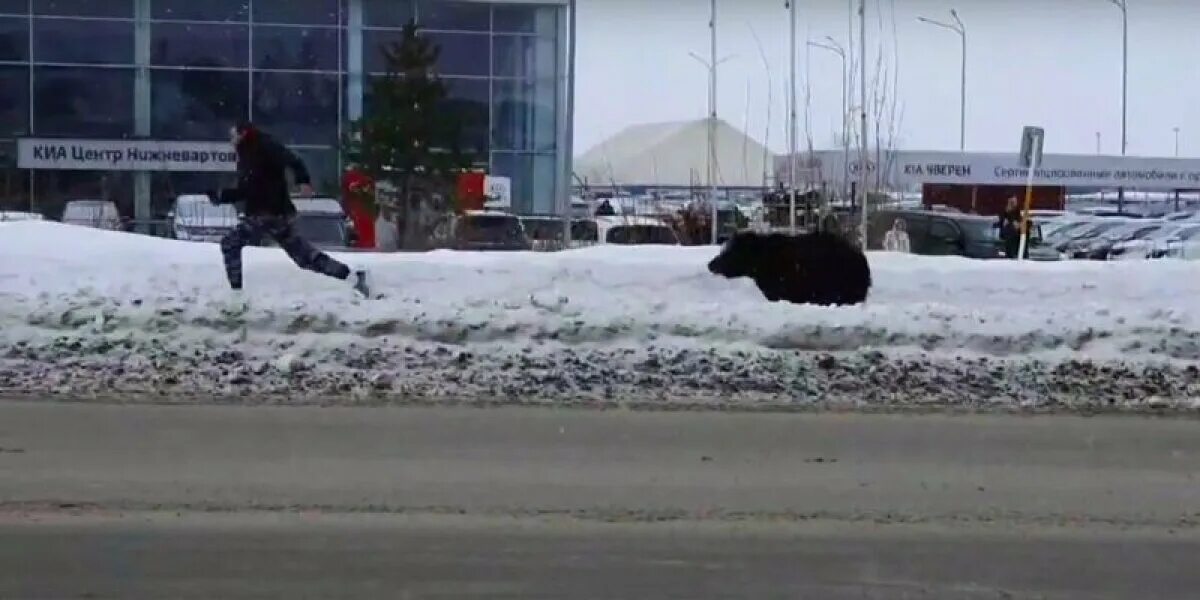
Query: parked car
x,y
488,230
546,233
14,215
195,218
634,231
1183,244
97,214
1155,244
1064,243
324,223
1097,247
952,234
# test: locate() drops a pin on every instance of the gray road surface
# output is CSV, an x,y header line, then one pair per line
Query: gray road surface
x,y
231,502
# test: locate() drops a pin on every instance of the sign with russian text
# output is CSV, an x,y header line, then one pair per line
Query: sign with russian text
x,y
908,170
124,155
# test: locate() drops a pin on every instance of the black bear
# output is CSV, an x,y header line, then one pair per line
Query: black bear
x,y
813,268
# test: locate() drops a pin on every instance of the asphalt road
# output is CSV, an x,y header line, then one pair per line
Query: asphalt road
x,y
232,502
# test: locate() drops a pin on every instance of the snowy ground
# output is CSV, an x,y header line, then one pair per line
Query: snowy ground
x,y
86,313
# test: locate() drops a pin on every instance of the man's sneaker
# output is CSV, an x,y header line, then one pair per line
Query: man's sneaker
x,y
362,283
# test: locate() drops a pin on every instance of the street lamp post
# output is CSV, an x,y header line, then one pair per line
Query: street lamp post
x,y
793,131
1121,4
957,27
711,162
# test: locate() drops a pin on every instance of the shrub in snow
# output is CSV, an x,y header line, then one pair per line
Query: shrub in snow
x,y
814,268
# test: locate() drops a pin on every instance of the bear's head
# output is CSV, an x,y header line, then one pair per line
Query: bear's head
x,y
739,257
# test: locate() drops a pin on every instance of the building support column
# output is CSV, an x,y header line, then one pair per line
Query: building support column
x,y
354,60
142,205
565,107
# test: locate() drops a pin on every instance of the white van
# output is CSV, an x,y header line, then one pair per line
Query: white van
x,y
98,214
195,218
632,230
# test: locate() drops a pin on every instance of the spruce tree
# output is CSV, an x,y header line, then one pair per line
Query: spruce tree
x,y
407,135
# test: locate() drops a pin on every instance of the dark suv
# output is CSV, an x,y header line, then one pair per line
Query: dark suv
x,y
941,233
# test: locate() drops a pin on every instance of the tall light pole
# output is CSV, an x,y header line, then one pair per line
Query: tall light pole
x,y
711,163
863,166
1121,4
793,130
957,27
837,48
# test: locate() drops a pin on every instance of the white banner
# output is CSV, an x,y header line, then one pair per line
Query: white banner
x,y
908,170
124,155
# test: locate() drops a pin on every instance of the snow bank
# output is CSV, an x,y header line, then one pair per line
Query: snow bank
x,y
76,303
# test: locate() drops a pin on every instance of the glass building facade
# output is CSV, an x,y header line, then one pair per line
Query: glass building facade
x,y
185,70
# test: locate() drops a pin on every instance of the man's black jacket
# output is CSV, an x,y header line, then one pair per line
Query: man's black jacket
x,y
262,187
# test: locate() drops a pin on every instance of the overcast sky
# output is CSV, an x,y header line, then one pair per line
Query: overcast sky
x,y
1053,63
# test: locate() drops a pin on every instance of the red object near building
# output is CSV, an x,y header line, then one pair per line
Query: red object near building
x,y
989,200
356,184
471,191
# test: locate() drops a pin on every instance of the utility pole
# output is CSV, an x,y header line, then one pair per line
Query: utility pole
x,y
1098,150
957,27
1121,4
793,131
712,121
711,163
1176,142
863,159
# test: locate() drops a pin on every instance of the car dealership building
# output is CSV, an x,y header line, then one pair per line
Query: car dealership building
x,y
131,100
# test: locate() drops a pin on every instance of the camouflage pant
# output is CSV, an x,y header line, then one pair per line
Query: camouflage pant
x,y
251,231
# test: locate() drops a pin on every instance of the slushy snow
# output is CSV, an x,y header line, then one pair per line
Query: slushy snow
x,y
86,313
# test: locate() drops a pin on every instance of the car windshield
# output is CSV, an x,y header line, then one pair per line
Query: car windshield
x,y
492,229
202,212
980,230
321,229
1096,229
546,230
641,234
1066,229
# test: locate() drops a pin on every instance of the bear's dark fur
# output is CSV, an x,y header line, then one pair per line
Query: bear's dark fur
x,y
814,268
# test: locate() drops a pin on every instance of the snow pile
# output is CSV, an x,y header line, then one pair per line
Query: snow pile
x,y
93,312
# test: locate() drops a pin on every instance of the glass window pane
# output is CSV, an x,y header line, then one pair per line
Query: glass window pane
x,y
200,10
297,108
14,100
542,193
374,43
525,56
83,102
309,49
518,168
14,39
468,102
54,188
524,114
322,167
197,105
192,45
387,13
463,53
449,15
84,8
14,7
296,12
83,41
541,20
